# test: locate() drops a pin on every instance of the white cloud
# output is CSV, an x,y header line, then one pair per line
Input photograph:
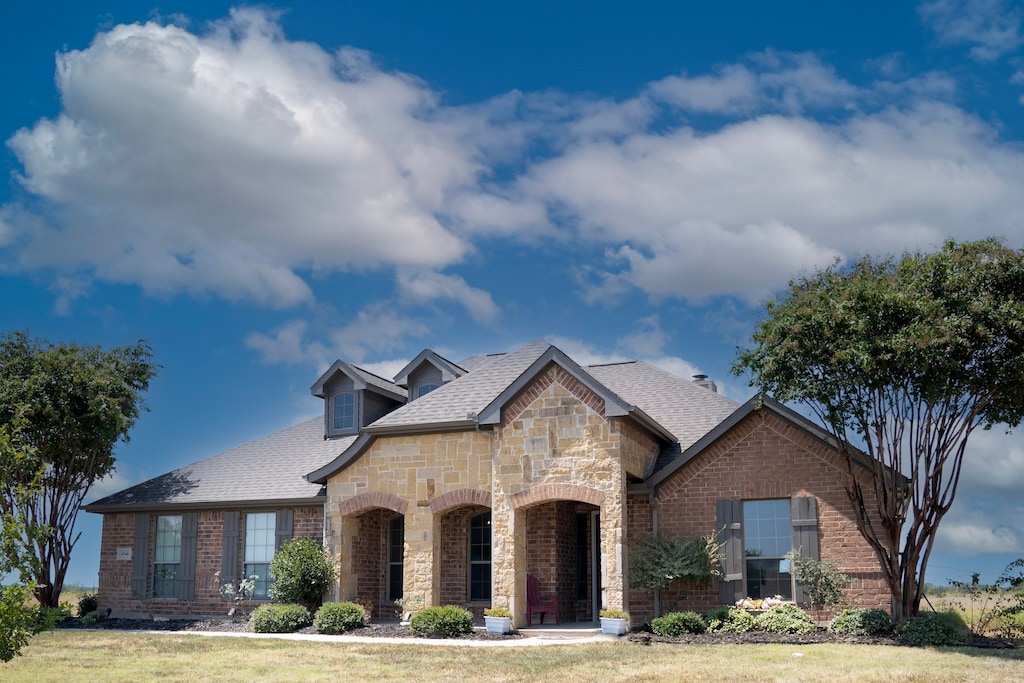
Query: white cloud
x,y
993,465
586,354
288,345
427,286
977,535
231,162
992,27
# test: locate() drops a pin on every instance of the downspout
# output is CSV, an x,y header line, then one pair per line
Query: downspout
x,y
654,531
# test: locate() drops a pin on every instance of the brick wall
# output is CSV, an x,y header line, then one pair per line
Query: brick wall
x,y
115,576
762,457
370,561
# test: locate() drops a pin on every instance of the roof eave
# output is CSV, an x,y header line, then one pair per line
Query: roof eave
x,y
306,501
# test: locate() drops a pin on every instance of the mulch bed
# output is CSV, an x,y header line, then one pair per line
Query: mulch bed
x,y
394,630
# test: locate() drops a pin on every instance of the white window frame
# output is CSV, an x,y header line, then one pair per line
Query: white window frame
x,y
258,550
166,555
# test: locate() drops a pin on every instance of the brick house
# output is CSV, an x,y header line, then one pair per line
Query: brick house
x,y
453,482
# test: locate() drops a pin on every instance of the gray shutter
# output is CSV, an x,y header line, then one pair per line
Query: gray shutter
x,y
730,536
185,581
140,556
804,515
229,549
283,529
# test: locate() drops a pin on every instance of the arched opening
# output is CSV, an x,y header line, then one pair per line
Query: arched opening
x,y
464,543
563,551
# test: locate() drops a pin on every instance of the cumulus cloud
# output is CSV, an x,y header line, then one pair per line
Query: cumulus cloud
x,y
432,286
993,28
976,535
645,345
232,162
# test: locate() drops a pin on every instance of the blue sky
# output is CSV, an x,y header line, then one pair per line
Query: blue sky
x,y
258,190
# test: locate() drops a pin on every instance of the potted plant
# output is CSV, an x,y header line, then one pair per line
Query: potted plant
x,y
614,622
498,619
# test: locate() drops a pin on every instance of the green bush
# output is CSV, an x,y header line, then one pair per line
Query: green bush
x,y
87,603
861,622
785,619
441,622
93,617
302,572
339,617
678,623
279,618
730,620
930,628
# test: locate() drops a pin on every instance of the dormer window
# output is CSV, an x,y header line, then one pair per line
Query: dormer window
x,y
344,415
425,389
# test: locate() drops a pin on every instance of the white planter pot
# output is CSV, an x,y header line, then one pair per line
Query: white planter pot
x,y
614,627
498,624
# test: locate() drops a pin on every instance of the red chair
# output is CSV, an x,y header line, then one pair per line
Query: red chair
x,y
537,603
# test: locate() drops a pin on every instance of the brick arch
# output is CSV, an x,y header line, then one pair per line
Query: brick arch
x,y
458,498
368,501
549,492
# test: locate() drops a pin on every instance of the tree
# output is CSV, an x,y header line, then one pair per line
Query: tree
x,y
18,621
78,402
903,359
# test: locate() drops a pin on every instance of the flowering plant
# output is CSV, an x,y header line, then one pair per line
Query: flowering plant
x,y
761,604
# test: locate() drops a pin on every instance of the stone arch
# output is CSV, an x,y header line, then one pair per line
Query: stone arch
x,y
550,492
368,501
458,498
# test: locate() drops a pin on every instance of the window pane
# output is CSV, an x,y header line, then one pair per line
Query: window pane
x,y
425,389
480,557
262,573
767,531
396,556
345,411
768,578
166,555
260,537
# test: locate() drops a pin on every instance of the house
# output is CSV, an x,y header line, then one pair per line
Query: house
x,y
453,482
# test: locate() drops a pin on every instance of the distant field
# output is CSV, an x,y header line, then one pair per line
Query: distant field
x,y
132,656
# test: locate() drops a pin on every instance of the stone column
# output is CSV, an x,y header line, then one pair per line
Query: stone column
x,y
613,541
421,578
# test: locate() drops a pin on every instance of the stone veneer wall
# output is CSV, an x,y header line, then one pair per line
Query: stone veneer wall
x,y
762,457
115,576
407,474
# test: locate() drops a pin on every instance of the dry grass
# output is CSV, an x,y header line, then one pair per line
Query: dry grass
x,y
126,656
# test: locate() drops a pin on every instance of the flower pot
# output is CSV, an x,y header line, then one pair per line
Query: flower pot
x,y
614,627
498,624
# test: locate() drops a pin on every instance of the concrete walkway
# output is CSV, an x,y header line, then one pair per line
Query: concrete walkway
x,y
531,638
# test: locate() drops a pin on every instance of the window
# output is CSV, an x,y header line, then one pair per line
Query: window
x,y
480,557
425,389
396,553
260,544
166,555
767,538
344,412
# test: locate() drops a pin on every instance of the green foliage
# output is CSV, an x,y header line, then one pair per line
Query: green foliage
x,y
87,603
441,622
77,403
678,623
339,617
785,619
19,479
93,617
931,628
302,572
279,618
920,350
726,619
823,583
655,563
613,614
997,607
497,612
861,622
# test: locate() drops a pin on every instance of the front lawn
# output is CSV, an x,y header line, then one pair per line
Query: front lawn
x,y
126,656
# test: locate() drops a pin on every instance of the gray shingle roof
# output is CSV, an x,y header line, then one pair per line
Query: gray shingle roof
x,y
273,468
267,469
687,410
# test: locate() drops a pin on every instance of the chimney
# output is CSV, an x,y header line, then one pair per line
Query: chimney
x,y
703,381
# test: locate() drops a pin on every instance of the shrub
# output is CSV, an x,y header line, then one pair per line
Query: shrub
x,y
279,618
87,603
497,612
302,571
930,628
730,620
823,583
614,614
655,563
93,617
678,623
785,619
861,622
339,617
441,622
